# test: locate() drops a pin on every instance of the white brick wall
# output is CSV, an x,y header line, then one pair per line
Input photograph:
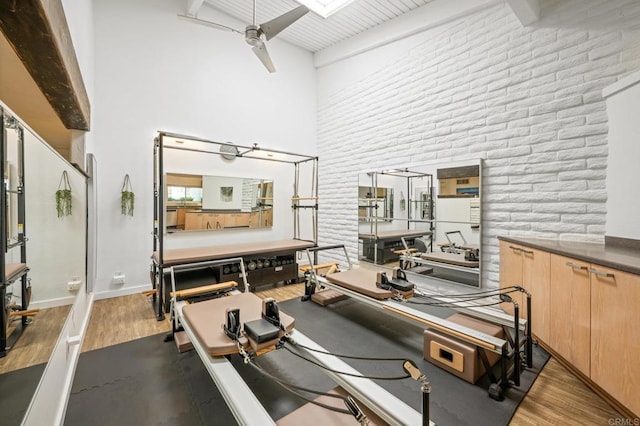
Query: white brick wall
x,y
526,100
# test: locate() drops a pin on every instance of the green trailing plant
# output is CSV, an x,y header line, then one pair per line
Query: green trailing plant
x,y
63,196
127,199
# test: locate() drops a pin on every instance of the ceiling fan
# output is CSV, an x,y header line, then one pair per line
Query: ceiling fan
x,y
253,33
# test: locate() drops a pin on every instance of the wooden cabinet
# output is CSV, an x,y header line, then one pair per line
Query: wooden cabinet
x,y
528,268
586,313
615,334
570,311
193,220
235,220
262,219
214,220
204,220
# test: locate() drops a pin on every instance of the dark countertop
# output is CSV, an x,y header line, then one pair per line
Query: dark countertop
x,y
620,258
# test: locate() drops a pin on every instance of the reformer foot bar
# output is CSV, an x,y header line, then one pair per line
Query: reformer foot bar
x,y
245,406
508,349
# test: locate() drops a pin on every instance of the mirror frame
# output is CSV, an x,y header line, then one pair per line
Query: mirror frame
x,y
464,210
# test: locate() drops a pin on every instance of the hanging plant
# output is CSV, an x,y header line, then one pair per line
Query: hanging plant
x,y
127,197
63,196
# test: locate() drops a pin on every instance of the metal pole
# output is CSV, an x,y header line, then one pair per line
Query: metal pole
x,y
516,345
3,240
426,390
529,343
160,230
22,227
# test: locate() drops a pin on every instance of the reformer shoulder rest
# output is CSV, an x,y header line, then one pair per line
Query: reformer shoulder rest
x,y
400,283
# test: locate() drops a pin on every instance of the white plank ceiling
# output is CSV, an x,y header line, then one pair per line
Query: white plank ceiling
x,y
312,32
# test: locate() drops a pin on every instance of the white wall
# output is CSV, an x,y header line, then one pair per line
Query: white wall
x,y
526,100
156,72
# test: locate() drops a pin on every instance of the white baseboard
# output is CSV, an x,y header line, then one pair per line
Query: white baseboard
x,y
52,303
121,292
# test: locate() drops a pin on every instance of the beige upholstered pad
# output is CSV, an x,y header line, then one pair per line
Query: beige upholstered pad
x,y
13,270
450,258
313,415
201,254
362,281
207,318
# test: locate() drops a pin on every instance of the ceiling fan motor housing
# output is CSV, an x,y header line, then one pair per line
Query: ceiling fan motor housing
x,y
252,35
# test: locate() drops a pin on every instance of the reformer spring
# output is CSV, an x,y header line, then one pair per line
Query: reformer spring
x,y
405,376
290,387
467,297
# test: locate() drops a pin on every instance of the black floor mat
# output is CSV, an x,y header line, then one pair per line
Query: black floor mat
x,y
16,389
359,329
146,382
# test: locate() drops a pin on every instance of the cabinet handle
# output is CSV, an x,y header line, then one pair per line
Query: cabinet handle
x,y
515,248
600,273
526,251
574,266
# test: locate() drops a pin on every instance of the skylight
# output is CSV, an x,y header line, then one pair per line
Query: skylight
x,y
325,8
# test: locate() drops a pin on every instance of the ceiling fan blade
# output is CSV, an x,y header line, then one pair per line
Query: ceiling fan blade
x,y
209,24
261,52
271,28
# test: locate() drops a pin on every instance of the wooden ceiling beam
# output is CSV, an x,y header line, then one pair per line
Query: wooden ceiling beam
x,y
38,32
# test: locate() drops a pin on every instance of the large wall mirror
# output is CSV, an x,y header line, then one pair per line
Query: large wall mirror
x,y
431,210
207,203
52,247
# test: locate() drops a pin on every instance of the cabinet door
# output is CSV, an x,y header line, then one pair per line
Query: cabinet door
x,y
510,271
615,334
535,279
237,219
570,311
213,221
193,221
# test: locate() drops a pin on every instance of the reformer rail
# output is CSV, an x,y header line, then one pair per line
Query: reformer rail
x,y
246,407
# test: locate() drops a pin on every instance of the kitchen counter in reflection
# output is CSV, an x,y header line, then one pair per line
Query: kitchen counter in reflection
x,y
216,219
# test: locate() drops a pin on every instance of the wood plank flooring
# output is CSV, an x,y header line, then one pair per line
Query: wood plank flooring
x,y
37,341
122,319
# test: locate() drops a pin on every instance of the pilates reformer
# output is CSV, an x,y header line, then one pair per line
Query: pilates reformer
x,y
225,322
366,286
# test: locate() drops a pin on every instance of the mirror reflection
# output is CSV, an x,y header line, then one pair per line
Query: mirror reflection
x,y
425,217
52,249
200,203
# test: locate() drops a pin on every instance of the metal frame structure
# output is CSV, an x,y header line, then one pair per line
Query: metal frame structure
x,y
9,122
213,147
408,175
508,348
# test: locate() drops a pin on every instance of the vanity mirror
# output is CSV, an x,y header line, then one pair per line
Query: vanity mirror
x,y
429,214
203,202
